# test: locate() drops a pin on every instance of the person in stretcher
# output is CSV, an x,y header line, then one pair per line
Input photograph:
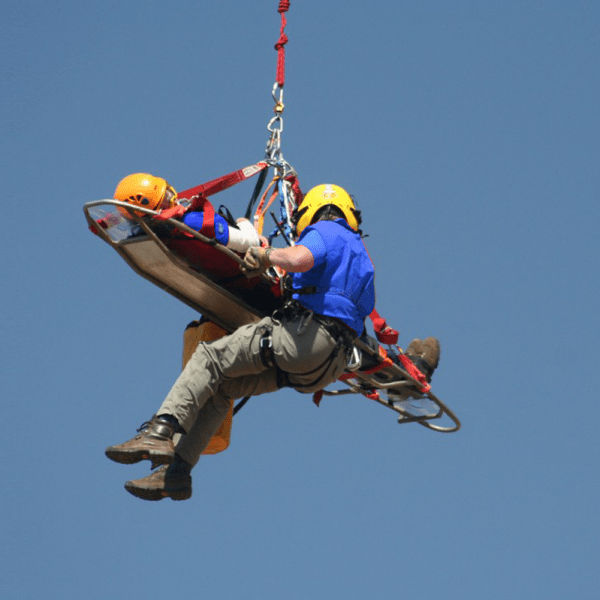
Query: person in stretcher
x,y
155,193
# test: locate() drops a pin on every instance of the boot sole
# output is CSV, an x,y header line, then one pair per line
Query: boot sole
x,y
126,457
155,495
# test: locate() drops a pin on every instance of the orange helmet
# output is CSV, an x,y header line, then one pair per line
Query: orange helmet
x,y
147,191
325,195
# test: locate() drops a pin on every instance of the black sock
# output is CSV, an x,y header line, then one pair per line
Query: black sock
x,y
183,463
173,421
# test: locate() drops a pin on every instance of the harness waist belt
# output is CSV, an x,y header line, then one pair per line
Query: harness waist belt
x,y
336,327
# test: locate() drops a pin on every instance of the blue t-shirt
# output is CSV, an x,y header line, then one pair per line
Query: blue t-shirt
x,y
341,282
196,218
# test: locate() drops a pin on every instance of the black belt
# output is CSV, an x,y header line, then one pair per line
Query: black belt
x,y
337,328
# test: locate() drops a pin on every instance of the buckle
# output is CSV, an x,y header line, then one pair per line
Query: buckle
x,y
265,349
266,342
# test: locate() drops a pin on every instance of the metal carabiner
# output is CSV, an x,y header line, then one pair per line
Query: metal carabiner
x,y
354,359
279,106
271,125
305,320
273,150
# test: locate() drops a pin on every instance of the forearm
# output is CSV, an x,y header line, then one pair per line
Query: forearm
x,y
296,259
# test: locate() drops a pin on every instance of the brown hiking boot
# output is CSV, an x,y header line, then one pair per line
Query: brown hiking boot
x,y
154,442
168,481
425,354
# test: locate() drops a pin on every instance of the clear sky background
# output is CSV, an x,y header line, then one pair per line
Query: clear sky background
x,y
469,133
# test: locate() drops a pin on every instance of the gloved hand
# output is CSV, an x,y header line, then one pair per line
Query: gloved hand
x,y
256,261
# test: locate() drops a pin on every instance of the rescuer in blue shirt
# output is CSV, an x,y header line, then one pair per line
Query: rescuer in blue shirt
x,y
305,345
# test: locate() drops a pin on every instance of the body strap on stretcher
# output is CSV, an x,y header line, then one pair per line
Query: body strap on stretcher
x,y
198,197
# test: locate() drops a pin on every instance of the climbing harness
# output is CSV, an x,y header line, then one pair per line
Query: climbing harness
x,y
292,311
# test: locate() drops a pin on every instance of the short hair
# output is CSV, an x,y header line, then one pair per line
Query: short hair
x,y
329,212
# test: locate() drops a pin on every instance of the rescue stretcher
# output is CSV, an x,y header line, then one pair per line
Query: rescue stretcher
x,y
138,241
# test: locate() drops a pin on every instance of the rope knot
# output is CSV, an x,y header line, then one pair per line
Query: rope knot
x,y
284,6
281,42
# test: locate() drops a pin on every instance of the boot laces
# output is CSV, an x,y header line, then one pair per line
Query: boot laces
x,y
145,425
156,466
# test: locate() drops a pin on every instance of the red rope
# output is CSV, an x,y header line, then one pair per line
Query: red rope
x,y
284,6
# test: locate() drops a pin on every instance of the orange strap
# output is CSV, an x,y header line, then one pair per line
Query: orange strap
x,y
259,215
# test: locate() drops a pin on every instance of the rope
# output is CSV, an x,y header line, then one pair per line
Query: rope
x,y
284,6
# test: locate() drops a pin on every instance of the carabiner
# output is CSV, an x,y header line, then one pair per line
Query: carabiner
x,y
354,359
305,320
279,106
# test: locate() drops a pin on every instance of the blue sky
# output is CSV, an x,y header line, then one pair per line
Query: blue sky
x,y
469,133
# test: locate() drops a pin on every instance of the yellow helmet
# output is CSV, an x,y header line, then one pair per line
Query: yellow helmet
x,y
147,191
326,195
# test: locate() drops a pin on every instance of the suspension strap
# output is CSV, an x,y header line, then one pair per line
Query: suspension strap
x,y
199,197
298,195
260,183
259,215
221,183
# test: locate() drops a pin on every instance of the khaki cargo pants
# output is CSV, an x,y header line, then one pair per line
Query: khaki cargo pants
x,y
231,367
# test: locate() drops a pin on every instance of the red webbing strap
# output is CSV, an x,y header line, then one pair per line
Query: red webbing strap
x,y
208,220
298,195
171,213
200,204
412,370
284,6
386,362
221,183
317,397
384,333
100,222
408,365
